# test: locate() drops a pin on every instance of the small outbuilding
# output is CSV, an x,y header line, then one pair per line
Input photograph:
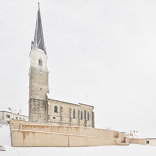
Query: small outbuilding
x,y
6,116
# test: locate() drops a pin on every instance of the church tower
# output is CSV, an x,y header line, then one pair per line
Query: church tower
x,y
38,76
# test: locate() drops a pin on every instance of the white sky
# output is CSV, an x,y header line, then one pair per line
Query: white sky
x,y
99,48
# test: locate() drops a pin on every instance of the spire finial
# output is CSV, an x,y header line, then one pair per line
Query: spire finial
x,y
38,5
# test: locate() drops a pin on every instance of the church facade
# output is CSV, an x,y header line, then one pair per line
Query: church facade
x,y
41,108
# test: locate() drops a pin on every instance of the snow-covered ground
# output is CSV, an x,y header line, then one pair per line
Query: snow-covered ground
x,y
132,150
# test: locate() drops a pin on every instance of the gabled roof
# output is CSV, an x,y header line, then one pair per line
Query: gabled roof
x,y
71,103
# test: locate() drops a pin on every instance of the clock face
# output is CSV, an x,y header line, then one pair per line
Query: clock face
x,y
40,70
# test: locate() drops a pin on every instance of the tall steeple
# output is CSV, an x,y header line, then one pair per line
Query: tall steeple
x,y
38,42
38,76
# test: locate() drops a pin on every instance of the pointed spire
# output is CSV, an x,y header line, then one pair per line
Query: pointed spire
x,y
38,42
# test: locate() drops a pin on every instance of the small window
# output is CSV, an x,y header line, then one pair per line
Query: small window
x,y
55,109
40,62
8,116
17,118
53,117
81,115
88,116
147,142
74,116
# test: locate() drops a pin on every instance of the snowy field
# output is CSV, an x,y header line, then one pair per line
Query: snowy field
x,y
132,150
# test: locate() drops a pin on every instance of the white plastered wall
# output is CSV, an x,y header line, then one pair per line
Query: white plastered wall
x,y
35,55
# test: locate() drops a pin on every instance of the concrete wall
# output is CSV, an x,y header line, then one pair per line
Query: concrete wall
x,y
141,141
151,141
33,134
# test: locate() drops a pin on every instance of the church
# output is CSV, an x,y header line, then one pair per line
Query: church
x,y
42,109
55,123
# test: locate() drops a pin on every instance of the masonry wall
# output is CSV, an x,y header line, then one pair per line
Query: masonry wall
x,y
38,83
65,115
38,86
38,110
33,134
38,103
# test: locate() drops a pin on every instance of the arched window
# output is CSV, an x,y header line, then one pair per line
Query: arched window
x,y
81,115
85,115
88,116
40,62
55,109
74,114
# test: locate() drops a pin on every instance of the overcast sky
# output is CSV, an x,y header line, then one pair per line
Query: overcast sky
x,y
100,52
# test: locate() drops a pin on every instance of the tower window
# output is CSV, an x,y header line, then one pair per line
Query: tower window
x,y
55,109
40,62
74,116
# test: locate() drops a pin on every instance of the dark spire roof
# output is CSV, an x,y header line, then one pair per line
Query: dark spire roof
x,y
38,42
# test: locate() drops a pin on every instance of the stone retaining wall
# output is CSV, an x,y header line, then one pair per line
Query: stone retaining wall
x,y
33,134
141,141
